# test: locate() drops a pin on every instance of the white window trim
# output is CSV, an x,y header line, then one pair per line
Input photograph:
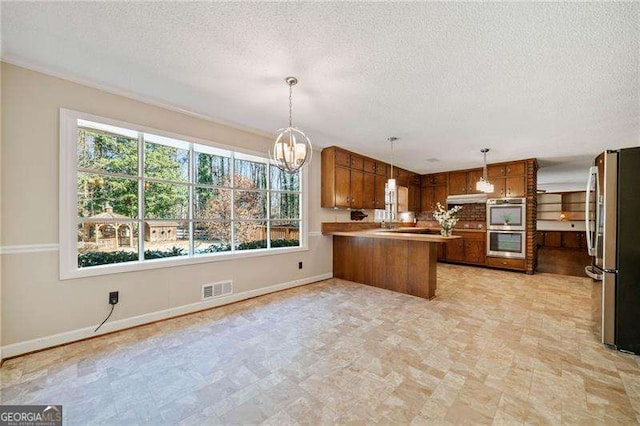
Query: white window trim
x,y
68,205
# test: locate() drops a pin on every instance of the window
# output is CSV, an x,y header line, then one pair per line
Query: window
x,y
134,198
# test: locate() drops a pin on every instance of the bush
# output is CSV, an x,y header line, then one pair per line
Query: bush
x,y
94,258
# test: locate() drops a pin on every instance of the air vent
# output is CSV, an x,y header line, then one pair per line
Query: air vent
x,y
219,289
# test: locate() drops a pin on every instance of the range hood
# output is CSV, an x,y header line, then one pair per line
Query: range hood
x,y
467,199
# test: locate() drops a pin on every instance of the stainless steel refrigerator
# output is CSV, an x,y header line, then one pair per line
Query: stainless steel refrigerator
x,y
613,239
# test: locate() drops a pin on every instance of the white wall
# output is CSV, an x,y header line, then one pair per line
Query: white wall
x,y
35,303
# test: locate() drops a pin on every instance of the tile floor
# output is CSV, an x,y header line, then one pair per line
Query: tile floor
x,y
493,347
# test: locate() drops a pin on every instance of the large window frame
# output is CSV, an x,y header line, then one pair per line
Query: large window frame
x,y
68,197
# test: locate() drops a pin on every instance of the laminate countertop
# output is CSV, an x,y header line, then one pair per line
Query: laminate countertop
x,y
408,234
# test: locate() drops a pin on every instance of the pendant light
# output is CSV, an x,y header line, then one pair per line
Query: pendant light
x,y
292,148
391,182
483,185
390,191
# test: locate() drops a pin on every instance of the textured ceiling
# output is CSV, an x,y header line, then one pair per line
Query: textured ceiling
x,y
556,81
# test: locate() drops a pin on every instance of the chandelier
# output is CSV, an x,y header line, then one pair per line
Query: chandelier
x,y
292,148
483,185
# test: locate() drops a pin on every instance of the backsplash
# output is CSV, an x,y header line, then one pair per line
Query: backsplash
x,y
469,213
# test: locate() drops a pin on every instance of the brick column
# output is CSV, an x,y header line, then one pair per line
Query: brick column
x,y
532,216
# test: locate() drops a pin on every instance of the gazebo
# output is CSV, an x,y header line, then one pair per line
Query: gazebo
x,y
108,230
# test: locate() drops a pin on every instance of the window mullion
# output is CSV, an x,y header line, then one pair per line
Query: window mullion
x,y
232,168
191,198
141,213
268,206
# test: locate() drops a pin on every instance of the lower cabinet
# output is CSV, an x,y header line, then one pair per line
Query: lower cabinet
x,y
501,262
471,248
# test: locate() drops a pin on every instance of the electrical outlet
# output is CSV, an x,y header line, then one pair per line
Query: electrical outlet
x,y
113,297
299,265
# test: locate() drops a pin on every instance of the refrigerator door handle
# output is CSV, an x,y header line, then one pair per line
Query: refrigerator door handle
x,y
604,270
593,173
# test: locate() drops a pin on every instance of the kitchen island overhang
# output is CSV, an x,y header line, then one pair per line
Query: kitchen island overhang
x,y
399,261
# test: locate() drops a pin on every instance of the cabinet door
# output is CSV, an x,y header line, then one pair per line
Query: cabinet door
x,y
515,169
473,176
414,198
455,250
427,180
402,177
357,189
474,250
379,191
343,158
440,179
439,196
457,184
382,169
427,197
498,187
369,191
515,186
552,239
343,187
496,171
357,162
571,240
369,166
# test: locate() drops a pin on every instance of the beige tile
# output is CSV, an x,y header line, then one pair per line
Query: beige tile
x,y
493,347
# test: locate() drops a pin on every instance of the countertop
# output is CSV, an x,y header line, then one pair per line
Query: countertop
x,y
397,235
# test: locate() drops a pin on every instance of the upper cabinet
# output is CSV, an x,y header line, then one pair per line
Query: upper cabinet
x,y
354,181
351,181
464,182
509,179
434,191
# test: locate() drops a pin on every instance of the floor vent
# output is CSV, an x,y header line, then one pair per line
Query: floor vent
x,y
222,288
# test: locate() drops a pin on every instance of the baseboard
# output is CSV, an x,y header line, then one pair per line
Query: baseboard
x,y
20,348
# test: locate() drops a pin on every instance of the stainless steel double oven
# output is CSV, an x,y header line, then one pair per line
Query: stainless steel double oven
x,y
506,227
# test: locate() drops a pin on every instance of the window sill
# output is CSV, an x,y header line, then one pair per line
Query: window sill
x,y
93,271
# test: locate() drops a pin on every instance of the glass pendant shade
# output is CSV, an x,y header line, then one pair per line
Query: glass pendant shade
x,y
483,185
292,149
391,184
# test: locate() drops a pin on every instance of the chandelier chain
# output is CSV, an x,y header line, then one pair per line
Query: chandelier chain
x,y
290,105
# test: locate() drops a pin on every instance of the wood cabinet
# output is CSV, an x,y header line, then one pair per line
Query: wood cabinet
x,y
551,239
379,191
431,196
562,239
369,191
575,240
457,183
504,263
414,198
343,179
464,182
434,179
351,181
471,248
475,249
455,250
509,180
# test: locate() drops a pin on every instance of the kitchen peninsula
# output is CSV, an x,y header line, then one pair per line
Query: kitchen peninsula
x,y
403,260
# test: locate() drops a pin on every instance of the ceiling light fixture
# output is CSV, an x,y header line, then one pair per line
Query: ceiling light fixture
x,y
390,192
292,148
483,185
